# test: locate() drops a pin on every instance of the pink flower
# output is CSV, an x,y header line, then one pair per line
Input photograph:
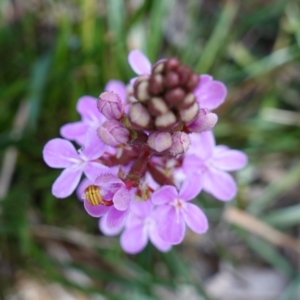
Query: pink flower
x,y
141,225
175,211
112,189
211,162
60,153
90,115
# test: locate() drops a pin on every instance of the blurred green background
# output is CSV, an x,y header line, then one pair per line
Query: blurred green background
x,y
52,52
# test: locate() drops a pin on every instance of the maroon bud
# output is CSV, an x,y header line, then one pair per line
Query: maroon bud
x,y
180,143
190,113
193,82
165,121
172,64
175,96
141,88
139,116
157,106
158,67
159,141
188,101
184,73
171,80
156,84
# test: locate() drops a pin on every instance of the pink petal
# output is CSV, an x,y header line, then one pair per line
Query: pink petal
x,y
210,94
93,147
108,179
157,241
118,87
229,160
202,144
141,209
116,218
81,187
195,218
191,187
59,153
171,228
92,170
107,230
66,182
122,199
96,211
220,184
164,195
192,164
139,63
133,220
87,107
74,131
134,240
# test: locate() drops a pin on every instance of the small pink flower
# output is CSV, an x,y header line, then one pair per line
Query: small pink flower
x,y
174,210
141,225
60,153
211,162
113,189
90,116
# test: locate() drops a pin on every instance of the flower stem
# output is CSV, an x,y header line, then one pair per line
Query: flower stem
x,y
139,167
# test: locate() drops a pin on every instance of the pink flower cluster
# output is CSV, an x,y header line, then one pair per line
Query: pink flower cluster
x,y
146,151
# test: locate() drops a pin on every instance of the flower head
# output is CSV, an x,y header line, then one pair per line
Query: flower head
x,y
212,162
60,153
175,211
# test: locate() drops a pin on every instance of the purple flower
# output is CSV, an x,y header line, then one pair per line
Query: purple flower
x,y
112,189
141,225
211,162
175,211
90,115
60,153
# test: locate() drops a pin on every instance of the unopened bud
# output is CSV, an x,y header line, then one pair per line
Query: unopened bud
x,y
156,84
193,82
188,101
139,116
157,106
172,64
141,86
171,80
184,73
204,121
158,67
110,105
165,121
159,141
113,133
175,96
190,113
180,143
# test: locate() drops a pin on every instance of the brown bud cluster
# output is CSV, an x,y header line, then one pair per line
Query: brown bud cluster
x,y
165,97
